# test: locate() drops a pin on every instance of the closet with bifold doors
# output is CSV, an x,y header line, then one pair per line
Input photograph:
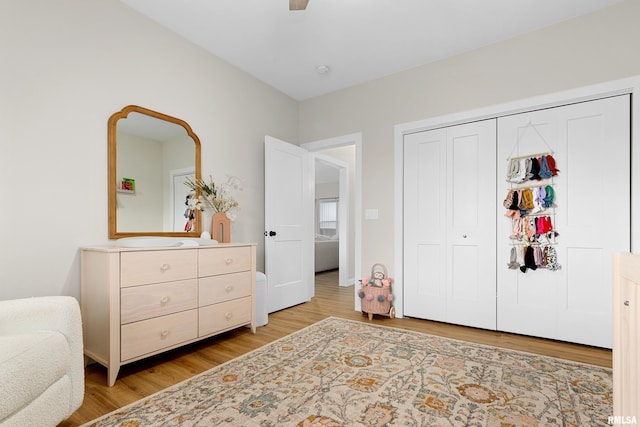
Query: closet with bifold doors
x,y
539,267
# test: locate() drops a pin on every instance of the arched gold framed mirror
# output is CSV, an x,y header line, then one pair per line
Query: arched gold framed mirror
x,y
150,156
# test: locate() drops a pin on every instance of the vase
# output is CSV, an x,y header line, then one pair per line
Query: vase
x,y
221,227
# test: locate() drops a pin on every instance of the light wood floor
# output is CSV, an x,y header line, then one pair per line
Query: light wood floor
x,y
145,377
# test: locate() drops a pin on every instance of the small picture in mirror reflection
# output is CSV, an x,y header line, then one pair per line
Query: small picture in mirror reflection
x,y
128,184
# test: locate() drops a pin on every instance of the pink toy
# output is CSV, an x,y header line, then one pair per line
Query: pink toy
x,y
375,292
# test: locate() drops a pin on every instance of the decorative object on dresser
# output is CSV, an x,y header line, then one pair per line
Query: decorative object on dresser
x,y
137,302
218,198
340,372
221,227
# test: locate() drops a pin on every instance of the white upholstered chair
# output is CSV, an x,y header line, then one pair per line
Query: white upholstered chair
x,y
41,360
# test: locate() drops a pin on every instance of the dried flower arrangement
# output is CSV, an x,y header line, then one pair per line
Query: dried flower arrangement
x,y
217,197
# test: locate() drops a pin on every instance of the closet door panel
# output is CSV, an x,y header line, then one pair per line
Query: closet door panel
x,y
471,209
597,215
430,278
590,143
585,287
527,307
464,178
464,276
424,213
465,291
526,301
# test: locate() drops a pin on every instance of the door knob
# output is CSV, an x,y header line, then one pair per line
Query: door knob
x,y
269,233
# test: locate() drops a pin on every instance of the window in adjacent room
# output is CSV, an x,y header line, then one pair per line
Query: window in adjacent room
x,y
327,223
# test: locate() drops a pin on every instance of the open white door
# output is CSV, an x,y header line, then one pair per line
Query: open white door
x,y
178,194
288,222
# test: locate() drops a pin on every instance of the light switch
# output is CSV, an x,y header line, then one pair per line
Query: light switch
x,y
371,214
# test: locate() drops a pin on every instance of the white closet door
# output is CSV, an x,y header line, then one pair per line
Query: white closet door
x,y
425,185
591,144
450,210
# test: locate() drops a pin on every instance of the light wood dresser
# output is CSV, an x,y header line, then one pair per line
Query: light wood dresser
x,y
626,337
137,302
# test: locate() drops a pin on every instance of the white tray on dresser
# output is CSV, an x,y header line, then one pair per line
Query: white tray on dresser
x,y
137,302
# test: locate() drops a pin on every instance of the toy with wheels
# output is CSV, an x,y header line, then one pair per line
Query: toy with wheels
x,y
375,292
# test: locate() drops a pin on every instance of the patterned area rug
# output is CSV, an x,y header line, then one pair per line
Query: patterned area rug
x,y
339,372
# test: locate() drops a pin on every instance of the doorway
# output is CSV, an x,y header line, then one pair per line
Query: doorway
x,y
347,150
178,192
332,209
289,169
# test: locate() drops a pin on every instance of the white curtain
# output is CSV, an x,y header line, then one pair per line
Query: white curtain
x,y
327,216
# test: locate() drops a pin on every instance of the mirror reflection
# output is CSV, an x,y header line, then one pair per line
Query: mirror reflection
x,y
151,156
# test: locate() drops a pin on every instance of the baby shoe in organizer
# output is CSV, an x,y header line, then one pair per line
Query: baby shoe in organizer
x,y
552,259
513,259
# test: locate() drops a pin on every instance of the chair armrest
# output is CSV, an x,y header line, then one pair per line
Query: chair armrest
x,y
49,313
57,313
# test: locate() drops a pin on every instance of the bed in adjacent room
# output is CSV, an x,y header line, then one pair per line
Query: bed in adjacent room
x,y
326,252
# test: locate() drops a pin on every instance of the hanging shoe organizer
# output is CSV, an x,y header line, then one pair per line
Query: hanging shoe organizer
x,y
530,204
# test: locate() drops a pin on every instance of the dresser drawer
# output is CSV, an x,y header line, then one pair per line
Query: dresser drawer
x,y
147,301
145,267
224,260
150,335
225,287
226,315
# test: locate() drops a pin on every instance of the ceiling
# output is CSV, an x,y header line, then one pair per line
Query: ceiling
x,y
359,40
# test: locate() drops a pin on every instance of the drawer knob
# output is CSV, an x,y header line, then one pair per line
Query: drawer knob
x,y
228,316
164,333
626,303
228,261
229,288
164,267
164,300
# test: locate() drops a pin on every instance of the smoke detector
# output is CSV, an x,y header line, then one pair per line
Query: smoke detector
x,y
323,69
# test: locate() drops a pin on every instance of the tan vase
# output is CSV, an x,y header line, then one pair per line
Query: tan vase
x,y
221,227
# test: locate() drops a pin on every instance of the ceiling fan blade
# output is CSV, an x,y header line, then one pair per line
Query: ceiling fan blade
x,y
298,4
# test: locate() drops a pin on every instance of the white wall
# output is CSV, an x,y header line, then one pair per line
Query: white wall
x,y
141,159
327,190
67,65
591,49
